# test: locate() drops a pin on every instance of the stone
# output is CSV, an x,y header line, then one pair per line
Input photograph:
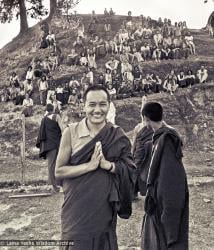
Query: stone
x,y
207,200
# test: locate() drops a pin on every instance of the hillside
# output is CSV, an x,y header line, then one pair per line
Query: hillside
x,y
18,54
191,111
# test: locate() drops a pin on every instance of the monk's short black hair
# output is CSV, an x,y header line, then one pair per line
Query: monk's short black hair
x,y
153,111
50,107
96,87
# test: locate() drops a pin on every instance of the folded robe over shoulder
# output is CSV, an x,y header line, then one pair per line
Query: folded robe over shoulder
x,y
142,151
92,200
49,136
167,198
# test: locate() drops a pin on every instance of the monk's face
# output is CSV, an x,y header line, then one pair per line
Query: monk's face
x,y
96,106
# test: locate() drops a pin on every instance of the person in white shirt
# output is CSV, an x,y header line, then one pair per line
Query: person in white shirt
x,y
145,51
112,91
43,88
158,38
28,105
30,73
51,39
90,76
108,76
112,64
81,30
72,58
125,66
190,43
83,59
46,67
147,83
59,93
92,60
53,61
202,74
137,55
128,76
138,33
147,33
57,104
28,87
84,83
111,113
73,99
74,83
123,35
14,80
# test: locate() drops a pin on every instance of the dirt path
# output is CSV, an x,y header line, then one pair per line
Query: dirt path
x,y
39,219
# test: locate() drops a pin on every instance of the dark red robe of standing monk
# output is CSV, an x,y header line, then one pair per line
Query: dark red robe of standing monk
x,y
142,156
167,199
49,136
93,200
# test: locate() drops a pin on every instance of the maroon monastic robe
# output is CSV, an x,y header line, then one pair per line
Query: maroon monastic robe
x,y
167,199
93,200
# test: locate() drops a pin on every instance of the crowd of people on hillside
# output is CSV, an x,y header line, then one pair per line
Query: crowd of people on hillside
x,y
138,40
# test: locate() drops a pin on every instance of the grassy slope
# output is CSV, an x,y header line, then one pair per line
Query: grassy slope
x,y
17,54
20,52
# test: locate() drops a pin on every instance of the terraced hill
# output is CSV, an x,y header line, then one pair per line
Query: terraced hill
x,y
18,54
190,110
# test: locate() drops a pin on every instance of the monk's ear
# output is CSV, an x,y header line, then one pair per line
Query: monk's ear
x,y
146,120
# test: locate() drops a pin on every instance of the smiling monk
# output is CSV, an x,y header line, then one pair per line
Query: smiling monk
x,y
96,169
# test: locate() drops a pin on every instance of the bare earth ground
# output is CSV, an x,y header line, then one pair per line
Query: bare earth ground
x,y
39,218
196,163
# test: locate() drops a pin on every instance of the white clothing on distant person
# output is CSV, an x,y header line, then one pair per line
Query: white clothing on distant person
x,y
202,74
27,102
143,102
111,113
29,75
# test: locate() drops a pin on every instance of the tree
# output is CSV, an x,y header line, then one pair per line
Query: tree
x,y
66,5
62,6
21,9
53,7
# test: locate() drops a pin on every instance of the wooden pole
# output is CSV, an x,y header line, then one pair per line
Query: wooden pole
x,y
30,195
23,150
23,136
22,165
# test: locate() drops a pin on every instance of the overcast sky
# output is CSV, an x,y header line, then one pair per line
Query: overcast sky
x,y
195,12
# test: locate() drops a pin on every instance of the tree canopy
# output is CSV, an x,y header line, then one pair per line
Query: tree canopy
x,y
67,5
21,9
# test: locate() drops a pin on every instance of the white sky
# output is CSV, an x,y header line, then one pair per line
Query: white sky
x,y
195,12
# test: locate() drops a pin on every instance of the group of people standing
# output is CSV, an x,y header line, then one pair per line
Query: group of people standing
x,y
100,171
